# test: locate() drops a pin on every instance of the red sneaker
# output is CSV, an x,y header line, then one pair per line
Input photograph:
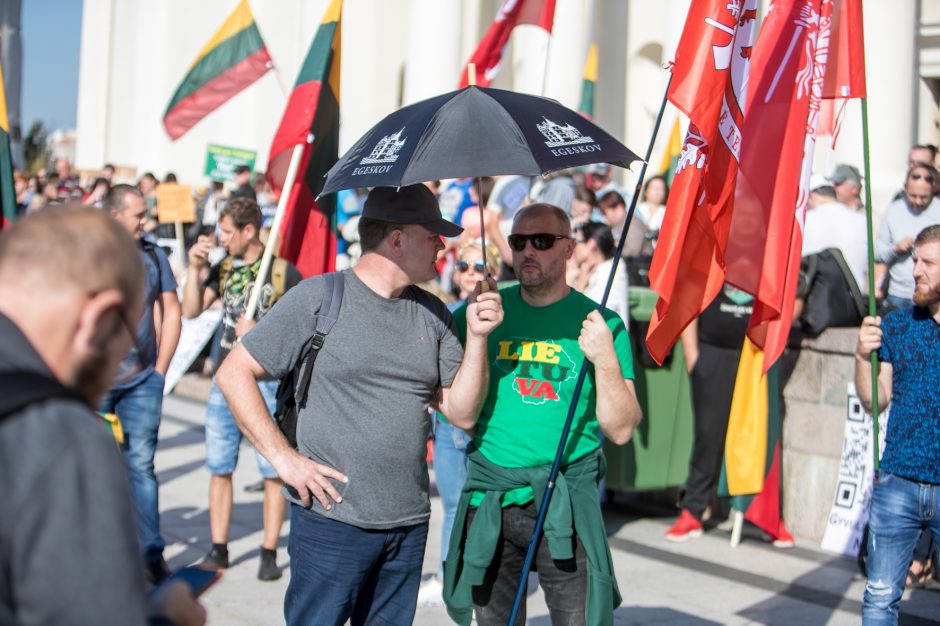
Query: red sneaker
x,y
783,539
685,528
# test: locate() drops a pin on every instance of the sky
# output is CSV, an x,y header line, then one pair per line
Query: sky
x,y
51,40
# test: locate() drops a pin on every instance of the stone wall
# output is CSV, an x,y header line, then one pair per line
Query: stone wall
x,y
813,429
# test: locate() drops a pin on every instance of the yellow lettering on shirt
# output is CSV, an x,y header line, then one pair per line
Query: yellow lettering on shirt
x,y
533,351
547,353
504,352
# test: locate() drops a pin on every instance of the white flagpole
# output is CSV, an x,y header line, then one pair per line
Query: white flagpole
x,y
271,244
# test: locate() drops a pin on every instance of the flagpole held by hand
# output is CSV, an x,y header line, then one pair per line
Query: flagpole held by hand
x,y
271,245
872,307
522,585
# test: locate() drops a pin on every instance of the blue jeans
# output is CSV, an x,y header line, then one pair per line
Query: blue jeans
x,y
340,572
138,408
898,302
223,438
900,509
450,473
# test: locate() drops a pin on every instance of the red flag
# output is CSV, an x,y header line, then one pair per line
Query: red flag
x,y
489,54
709,82
311,120
786,86
845,70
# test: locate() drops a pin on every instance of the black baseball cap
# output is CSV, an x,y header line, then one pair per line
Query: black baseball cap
x,y
414,204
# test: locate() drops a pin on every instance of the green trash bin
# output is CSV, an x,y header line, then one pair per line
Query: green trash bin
x,y
657,457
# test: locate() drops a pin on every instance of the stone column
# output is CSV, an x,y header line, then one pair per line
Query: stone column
x,y
567,51
432,55
892,74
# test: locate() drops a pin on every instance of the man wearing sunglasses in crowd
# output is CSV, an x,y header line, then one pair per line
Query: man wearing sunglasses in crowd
x,y
903,219
535,356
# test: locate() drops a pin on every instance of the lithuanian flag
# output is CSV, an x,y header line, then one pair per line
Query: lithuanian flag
x,y
667,167
750,473
7,193
311,121
586,108
233,59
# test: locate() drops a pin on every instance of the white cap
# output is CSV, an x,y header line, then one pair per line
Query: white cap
x,y
818,180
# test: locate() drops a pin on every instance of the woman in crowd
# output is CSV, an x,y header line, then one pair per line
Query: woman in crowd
x,y
652,209
450,443
590,266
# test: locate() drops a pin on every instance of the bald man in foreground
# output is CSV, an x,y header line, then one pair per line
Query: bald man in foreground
x,y
71,290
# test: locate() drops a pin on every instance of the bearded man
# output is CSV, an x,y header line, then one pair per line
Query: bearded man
x,y
907,487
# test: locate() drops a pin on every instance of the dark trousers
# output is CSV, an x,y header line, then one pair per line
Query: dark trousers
x,y
564,582
712,388
340,572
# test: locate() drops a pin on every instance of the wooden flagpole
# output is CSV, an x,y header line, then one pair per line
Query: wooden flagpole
x,y
271,245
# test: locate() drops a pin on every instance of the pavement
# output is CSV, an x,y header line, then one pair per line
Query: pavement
x,y
699,583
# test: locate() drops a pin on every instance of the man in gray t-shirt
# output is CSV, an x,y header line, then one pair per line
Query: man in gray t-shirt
x,y
358,482
915,210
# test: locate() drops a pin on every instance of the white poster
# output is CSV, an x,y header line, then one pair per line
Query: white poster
x,y
194,336
849,514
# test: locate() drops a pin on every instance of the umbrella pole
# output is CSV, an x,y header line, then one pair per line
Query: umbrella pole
x,y
271,245
472,81
556,464
482,208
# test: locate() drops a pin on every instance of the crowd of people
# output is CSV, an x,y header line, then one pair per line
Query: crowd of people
x,y
474,297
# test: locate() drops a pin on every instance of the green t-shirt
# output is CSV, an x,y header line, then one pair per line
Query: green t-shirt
x,y
534,366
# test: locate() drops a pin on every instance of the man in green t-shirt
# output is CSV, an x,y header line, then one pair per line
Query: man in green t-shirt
x,y
547,333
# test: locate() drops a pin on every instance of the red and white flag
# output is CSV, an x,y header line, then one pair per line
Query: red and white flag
x,y
489,54
709,85
788,74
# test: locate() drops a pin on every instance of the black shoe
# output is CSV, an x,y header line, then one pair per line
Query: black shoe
x,y
268,569
156,571
217,556
257,487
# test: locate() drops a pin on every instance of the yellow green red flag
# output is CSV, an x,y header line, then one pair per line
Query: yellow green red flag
x,y
589,83
311,120
233,59
7,193
667,167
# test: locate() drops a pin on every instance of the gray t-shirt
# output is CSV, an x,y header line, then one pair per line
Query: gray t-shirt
x,y
367,410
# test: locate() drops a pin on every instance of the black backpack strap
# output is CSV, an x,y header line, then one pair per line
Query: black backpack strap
x,y
854,288
20,389
329,312
151,250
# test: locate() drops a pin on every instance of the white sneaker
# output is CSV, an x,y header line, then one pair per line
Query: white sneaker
x,y
431,593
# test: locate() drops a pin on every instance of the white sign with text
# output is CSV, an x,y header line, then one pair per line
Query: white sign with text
x,y
849,515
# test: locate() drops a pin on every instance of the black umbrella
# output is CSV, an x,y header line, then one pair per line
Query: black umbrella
x,y
478,131
475,131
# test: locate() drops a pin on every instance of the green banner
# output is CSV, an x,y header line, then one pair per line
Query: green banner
x,y
221,161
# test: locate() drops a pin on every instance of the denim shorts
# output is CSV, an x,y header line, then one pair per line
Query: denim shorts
x,y
223,438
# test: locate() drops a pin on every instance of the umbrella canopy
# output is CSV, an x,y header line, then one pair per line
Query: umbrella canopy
x,y
474,131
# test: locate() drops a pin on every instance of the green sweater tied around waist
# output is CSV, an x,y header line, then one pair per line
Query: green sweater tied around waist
x,y
574,508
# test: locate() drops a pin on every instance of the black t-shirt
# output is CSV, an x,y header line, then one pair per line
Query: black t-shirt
x,y
724,323
245,191
238,284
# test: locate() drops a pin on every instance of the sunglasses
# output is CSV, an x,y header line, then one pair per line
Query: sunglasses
x,y
926,177
540,241
478,266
